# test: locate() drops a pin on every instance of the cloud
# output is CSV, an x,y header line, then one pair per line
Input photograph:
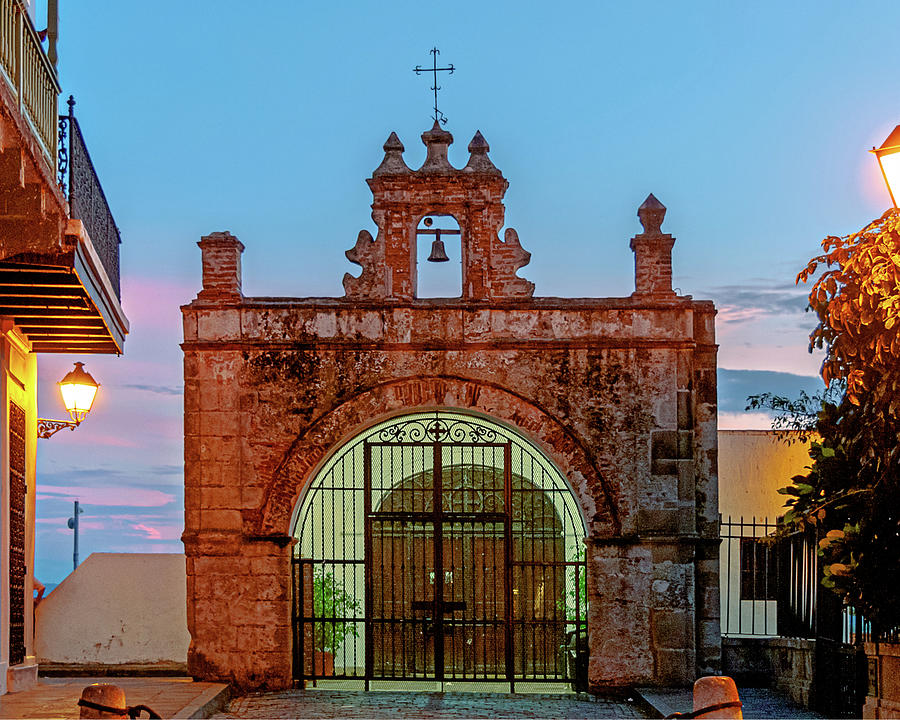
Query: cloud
x,y
82,526
158,389
136,476
106,496
167,469
152,532
745,421
51,520
735,385
746,303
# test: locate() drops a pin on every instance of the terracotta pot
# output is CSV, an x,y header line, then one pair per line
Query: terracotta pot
x,y
323,663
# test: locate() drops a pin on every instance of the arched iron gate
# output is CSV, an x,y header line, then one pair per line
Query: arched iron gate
x,y
438,546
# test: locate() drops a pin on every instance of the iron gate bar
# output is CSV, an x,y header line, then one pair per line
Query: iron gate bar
x,y
438,593
369,603
507,563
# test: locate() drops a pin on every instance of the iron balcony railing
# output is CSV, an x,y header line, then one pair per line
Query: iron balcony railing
x,y
29,74
87,201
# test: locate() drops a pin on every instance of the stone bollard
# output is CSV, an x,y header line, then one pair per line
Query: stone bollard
x,y
111,696
720,695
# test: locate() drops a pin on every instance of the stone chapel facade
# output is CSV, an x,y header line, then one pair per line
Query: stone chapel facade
x,y
618,394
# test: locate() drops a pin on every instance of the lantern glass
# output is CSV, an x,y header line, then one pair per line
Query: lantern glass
x,y
889,161
890,166
78,390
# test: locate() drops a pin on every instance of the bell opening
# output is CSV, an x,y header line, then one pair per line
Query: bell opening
x,y
438,257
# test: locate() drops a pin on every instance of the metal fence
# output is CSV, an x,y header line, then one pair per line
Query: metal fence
x,y
771,587
748,573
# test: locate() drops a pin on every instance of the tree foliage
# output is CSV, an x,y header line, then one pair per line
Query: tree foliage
x,y
851,491
853,509
857,300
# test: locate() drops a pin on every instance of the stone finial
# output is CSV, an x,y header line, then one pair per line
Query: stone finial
x,y
652,252
651,215
393,163
221,258
437,142
478,156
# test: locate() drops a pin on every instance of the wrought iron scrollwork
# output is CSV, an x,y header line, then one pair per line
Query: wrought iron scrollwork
x,y
87,201
62,164
437,429
47,428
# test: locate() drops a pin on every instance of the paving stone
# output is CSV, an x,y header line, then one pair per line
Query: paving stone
x,y
58,697
758,703
401,705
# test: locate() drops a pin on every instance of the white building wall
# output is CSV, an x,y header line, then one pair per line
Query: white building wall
x,y
753,465
116,608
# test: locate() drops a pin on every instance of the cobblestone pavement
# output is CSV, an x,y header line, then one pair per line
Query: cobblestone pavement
x,y
759,703
403,705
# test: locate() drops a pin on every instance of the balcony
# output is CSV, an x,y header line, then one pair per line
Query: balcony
x,y
59,244
30,75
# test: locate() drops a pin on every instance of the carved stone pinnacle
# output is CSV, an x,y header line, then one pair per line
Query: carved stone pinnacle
x,y
651,215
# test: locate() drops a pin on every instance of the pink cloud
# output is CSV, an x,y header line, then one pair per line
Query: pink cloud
x,y
154,303
159,532
152,532
107,496
84,525
728,314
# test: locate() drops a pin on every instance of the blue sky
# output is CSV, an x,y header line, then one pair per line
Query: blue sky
x,y
749,121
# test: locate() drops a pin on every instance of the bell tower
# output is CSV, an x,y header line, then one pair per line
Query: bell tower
x,y
472,195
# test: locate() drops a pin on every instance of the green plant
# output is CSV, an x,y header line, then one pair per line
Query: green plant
x,y
575,597
331,600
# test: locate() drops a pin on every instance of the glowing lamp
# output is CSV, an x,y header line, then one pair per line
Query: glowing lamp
x,y
78,390
889,161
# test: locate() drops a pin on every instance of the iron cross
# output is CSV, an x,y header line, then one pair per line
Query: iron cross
x,y
418,69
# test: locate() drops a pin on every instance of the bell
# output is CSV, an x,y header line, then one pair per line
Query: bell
x,y
438,254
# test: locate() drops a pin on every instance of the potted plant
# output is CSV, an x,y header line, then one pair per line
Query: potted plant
x,y
573,607
330,600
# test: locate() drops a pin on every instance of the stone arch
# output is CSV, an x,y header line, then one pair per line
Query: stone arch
x,y
330,431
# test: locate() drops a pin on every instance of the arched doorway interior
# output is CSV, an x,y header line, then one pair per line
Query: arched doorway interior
x,y
438,546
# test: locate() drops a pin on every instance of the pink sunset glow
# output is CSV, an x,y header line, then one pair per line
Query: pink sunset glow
x,y
106,496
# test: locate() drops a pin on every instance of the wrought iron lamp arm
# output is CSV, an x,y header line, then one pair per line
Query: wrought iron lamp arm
x,y
47,428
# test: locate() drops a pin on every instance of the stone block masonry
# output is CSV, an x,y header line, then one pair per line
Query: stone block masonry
x,y
619,393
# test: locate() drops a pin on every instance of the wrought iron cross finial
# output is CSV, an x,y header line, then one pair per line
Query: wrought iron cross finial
x,y
418,69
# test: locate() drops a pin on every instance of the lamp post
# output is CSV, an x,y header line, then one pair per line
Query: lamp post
x,y
78,390
73,525
889,161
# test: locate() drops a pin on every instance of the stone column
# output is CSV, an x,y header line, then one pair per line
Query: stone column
x,y
652,252
221,267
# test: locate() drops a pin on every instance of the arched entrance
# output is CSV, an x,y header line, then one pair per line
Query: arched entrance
x,y
438,546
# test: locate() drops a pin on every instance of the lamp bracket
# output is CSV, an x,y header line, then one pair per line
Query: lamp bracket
x,y
47,428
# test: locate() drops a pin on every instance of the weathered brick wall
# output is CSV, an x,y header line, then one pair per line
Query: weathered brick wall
x,y
271,388
619,394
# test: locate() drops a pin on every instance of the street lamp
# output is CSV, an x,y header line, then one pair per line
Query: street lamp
x,y
78,390
889,161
